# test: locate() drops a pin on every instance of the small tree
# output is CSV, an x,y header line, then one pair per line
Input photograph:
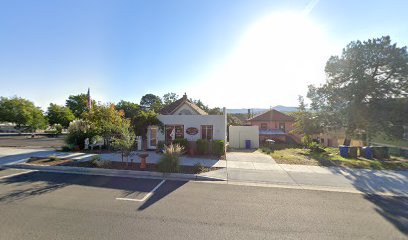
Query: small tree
x,y
125,140
306,123
107,121
58,128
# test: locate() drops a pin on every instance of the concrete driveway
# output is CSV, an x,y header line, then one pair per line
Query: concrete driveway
x,y
252,160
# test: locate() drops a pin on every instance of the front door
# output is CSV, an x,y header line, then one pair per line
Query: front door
x,y
152,140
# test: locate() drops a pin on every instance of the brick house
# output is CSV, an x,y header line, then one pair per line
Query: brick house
x,y
274,125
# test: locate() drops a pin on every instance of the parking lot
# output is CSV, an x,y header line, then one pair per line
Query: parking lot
x,y
28,142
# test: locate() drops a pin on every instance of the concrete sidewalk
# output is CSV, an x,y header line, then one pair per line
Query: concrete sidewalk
x,y
326,178
155,158
260,169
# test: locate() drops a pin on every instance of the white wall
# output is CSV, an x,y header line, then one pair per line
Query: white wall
x,y
238,135
218,122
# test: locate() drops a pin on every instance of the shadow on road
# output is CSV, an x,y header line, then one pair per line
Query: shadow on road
x,y
392,208
167,188
34,184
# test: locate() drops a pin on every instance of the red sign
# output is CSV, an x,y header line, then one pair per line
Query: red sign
x,y
192,131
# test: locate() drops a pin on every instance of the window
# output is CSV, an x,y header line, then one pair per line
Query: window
x,y
282,126
207,132
173,132
322,140
264,126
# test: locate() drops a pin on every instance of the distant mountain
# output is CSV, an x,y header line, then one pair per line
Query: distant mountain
x,y
279,108
245,110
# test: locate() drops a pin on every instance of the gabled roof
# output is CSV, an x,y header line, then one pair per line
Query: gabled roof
x,y
172,108
272,115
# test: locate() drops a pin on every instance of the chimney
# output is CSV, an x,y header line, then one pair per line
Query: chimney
x,y
185,96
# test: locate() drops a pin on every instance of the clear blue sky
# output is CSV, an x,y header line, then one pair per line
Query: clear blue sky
x,y
233,53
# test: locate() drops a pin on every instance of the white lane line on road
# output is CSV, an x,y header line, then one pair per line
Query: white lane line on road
x,y
145,197
17,162
16,174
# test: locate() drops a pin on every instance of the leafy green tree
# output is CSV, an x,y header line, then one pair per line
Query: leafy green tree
x,y
369,72
57,114
169,98
23,113
130,109
107,121
233,120
210,111
58,128
306,123
200,104
151,102
125,140
77,104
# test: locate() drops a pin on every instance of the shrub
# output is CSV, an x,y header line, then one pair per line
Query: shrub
x,y
202,146
182,142
170,161
306,140
315,147
218,147
58,128
78,131
68,147
198,168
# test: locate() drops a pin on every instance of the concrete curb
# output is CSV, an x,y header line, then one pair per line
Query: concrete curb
x,y
317,188
113,172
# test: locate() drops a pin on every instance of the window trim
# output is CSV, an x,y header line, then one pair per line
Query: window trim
x,y
205,130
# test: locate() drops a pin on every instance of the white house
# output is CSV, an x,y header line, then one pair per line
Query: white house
x,y
184,119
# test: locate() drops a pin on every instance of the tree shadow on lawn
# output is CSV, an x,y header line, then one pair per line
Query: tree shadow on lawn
x,y
371,182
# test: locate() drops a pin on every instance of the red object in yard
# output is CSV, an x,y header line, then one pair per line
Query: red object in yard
x,y
143,157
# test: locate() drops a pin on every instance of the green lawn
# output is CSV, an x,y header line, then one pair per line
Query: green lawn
x,y
287,154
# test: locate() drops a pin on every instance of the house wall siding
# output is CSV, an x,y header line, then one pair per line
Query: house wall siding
x,y
273,125
217,121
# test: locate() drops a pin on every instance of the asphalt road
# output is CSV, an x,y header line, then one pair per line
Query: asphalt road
x,y
41,205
